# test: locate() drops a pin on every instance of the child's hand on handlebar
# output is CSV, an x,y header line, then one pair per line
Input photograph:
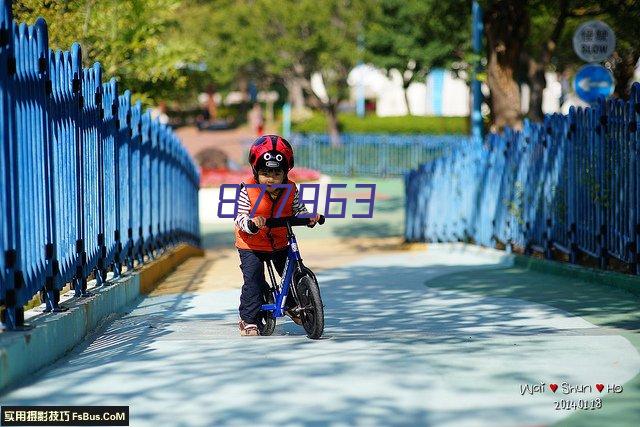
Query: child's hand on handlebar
x,y
255,224
259,221
313,220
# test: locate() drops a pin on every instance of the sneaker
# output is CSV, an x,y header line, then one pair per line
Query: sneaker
x,y
295,317
248,329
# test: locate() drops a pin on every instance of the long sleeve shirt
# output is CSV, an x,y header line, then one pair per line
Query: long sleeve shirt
x,y
244,207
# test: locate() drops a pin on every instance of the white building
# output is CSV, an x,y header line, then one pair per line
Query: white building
x,y
441,94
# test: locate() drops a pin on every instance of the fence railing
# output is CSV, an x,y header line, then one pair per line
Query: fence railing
x,y
569,185
371,154
88,181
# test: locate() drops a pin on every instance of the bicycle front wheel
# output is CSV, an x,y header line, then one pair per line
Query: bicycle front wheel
x,y
312,308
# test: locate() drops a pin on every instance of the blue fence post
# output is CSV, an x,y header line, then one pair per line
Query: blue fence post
x,y
80,83
145,177
153,188
195,230
572,204
49,293
92,242
123,183
162,184
31,99
635,180
548,142
109,203
6,23
136,249
385,158
11,275
601,223
63,111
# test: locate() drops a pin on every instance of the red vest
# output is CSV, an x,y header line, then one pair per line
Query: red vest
x,y
267,239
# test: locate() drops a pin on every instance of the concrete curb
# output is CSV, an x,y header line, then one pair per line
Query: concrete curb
x,y
152,273
625,282
23,353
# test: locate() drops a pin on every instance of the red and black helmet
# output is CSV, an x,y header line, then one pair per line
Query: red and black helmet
x,y
271,151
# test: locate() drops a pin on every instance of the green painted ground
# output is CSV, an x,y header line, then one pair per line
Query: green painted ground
x,y
388,214
601,305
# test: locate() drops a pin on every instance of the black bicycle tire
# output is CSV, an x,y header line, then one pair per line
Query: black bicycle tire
x,y
267,323
309,294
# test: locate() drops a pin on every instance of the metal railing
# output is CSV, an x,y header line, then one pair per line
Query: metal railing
x,y
88,182
570,185
371,154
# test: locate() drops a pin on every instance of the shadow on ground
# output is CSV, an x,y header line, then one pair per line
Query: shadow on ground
x,y
390,343
599,304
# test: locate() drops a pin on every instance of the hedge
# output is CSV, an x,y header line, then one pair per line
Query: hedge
x,y
350,123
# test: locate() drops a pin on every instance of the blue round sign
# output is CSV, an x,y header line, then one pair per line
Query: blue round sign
x,y
593,81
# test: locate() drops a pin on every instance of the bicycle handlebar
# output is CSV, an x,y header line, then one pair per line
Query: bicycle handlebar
x,y
282,222
292,220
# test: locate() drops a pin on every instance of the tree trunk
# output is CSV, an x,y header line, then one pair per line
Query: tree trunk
x,y
405,89
243,108
506,27
537,84
536,68
330,111
296,95
332,124
623,73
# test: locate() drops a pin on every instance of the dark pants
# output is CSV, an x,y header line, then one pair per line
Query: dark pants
x,y
252,266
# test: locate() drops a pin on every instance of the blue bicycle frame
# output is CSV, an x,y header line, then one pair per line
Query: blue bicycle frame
x,y
292,263
281,292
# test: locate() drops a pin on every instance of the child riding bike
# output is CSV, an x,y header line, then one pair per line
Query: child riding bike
x,y
271,158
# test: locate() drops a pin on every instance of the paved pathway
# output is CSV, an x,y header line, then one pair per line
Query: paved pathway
x,y
396,352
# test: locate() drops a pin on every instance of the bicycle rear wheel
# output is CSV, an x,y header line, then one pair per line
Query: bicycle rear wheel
x,y
312,308
266,321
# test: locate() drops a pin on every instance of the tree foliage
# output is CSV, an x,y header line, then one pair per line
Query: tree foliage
x,y
623,16
136,41
549,46
548,27
287,41
414,36
169,49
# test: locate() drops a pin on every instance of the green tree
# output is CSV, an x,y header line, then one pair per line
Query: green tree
x,y
287,42
136,41
626,24
623,16
548,25
413,36
549,46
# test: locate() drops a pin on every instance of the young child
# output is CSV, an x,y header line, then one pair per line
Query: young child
x,y
271,158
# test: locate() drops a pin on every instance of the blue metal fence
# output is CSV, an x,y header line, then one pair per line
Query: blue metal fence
x,y
371,155
88,182
570,184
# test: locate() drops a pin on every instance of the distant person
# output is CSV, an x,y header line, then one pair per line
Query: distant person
x,y
160,112
212,108
256,119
